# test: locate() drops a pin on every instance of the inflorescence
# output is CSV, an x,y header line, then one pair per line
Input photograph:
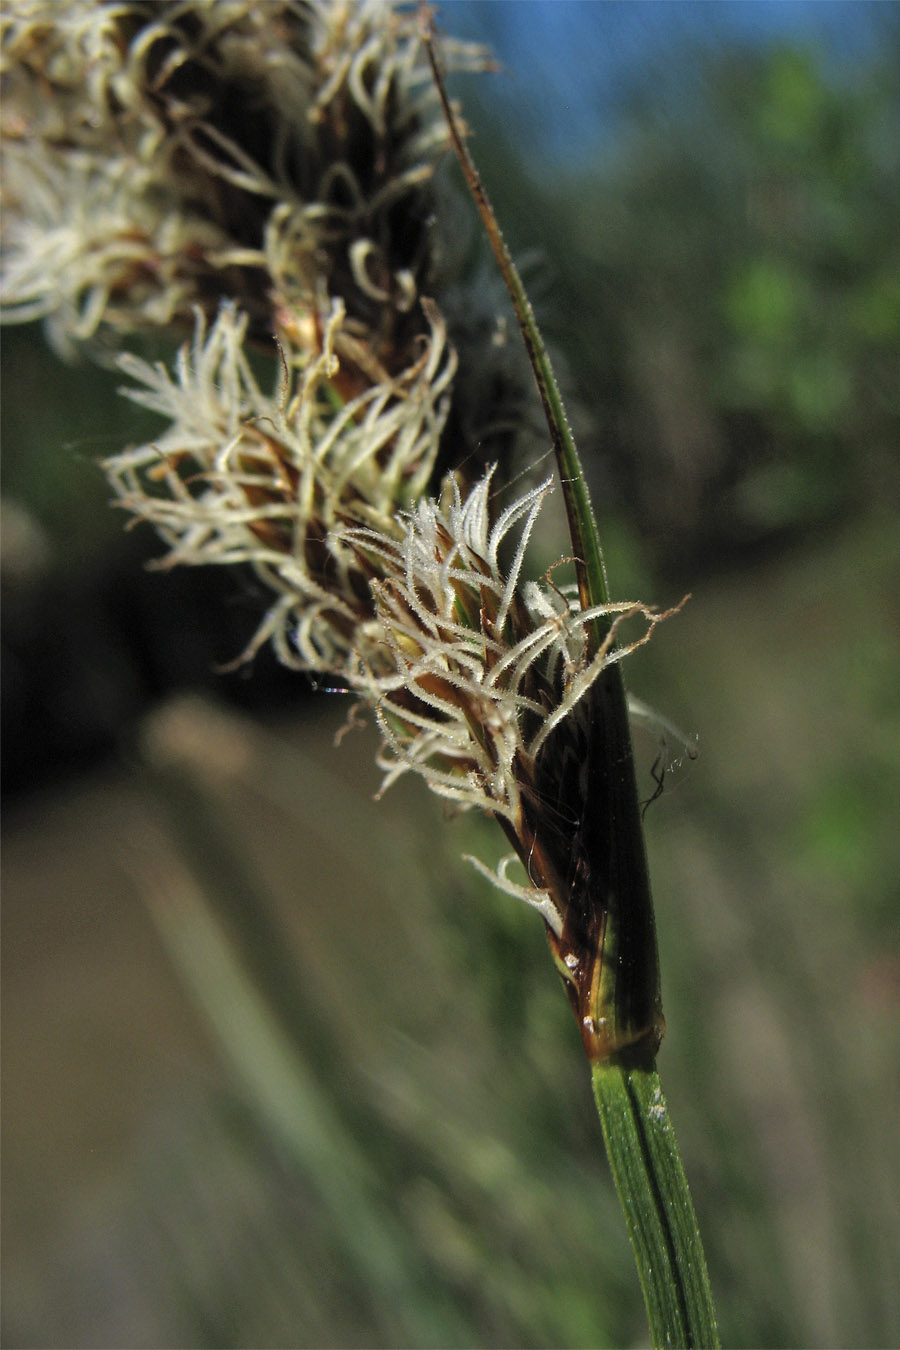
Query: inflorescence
x,y
261,172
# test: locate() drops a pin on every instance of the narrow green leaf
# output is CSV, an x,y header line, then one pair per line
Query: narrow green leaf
x,y
589,568
618,915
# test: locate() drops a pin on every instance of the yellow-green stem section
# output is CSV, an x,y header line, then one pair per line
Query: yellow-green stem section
x,y
654,1195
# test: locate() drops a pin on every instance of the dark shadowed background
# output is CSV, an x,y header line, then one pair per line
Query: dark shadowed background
x,y
278,1068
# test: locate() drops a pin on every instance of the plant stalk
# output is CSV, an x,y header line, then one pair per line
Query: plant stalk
x,y
616,907
656,1201
589,568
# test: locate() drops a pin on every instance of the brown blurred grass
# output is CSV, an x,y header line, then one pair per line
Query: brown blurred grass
x,y
147,1200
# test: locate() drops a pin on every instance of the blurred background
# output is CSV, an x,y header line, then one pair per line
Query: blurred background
x,y
278,1068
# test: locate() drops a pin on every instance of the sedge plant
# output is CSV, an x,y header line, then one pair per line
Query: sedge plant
x,y
258,176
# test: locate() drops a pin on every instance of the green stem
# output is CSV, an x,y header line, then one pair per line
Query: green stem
x,y
640,1141
654,1195
589,569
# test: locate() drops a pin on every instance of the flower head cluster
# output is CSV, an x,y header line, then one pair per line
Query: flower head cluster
x,y
470,668
260,170
270,479
163,154
482,666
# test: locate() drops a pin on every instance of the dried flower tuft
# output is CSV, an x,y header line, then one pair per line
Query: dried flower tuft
x,y
260,170
483,665
164,156
242,476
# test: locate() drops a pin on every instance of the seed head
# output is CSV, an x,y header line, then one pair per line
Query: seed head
x,y
162,157
259,171
270,479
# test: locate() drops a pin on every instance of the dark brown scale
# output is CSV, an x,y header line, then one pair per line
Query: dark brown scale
x,y
588,862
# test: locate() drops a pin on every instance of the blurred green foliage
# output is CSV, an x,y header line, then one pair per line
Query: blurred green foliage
x,y
723,281
723,285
